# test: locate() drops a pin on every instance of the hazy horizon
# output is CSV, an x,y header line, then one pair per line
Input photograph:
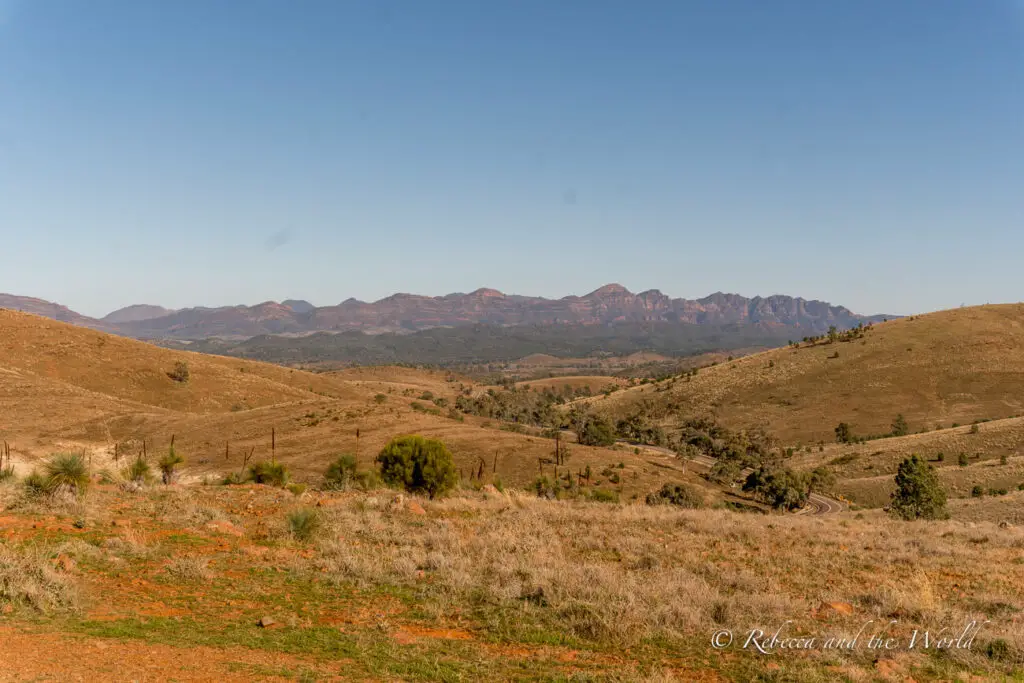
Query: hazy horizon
x,y
193,153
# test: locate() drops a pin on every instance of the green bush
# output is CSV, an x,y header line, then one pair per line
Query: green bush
x,y
269,473
604,496
918,494
233,478
303,523
677,494
67,471
418,465
35,483
781,488
962,460
341,473
168,464
977,492
138,471
380,398
296,489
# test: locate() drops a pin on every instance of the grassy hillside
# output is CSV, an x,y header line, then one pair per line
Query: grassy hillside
x,y
952,366
173,583
69,388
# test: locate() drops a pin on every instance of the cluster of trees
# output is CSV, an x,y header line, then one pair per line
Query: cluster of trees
x,y
521,405
784,489
844,432
834,335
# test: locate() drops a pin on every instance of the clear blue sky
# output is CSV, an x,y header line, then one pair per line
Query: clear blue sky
x,y
214,152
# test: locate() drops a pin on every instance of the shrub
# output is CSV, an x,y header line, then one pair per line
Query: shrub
x,y
941,456
604,496
918,494
303,523
975,428
7,473
977,492
678,494
233,478
900,426
35,484
180,373
296,489
28,580
380,398
66,471
138,471
168,464
340,473
269,473
781,488
999,650
418,465
821,479
962,460
1003,459
843,433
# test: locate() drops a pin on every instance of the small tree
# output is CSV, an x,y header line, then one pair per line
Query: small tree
x,y
843,433
418,465
180,373
900,426
168,464
962,460
918,495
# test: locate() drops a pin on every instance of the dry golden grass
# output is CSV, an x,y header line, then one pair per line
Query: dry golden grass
x,y
952,366
72,389
596,383
628,574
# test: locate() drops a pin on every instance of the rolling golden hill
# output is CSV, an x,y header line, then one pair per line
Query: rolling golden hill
x,y
69,388
951,366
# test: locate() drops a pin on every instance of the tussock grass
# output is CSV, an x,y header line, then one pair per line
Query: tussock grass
x,y
635,573
29,580
304,523
189,569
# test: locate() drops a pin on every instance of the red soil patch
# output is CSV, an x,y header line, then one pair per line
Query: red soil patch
x,y
67,658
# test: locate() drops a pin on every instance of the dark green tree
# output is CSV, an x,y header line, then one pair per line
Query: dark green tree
x,y
418,465
781,488
900,426
843,433
918,494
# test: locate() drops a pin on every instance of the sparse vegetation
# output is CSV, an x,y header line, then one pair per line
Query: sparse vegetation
x,y
180,373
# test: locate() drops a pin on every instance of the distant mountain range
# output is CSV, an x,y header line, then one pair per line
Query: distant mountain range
x,y
406,313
